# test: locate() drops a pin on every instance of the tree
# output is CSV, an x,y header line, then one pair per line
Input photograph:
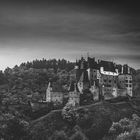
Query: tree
x,y
70,114
125,129
86,98
12,127
78,136
59,135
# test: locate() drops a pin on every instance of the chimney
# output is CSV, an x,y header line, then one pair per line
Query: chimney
x,y
128,70
122,70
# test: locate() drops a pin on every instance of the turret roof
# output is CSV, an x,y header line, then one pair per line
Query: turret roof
x,y
107,65
84,76
73,87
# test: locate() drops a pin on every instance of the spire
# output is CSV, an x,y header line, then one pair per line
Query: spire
x,y
84,77
128,70
73,87
48,92
122,70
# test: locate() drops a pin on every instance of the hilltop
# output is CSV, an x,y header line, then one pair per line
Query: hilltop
x,y
29,81
93,120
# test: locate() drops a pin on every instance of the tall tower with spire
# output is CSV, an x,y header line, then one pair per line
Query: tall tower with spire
x,y
74,94
48,92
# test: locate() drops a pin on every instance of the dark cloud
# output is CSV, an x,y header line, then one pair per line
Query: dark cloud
x,y
77,26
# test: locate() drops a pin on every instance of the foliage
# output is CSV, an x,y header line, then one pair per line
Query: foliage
x,y
3,79
59,135
86,98
69,113
13,127
52,63
126,129
78,136
29,80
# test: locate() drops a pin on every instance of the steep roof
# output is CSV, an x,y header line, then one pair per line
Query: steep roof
x,y
92,63
56,87
78,74
73,87
84,76
82,64
107,65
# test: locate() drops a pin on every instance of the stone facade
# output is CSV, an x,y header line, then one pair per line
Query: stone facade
x,y
103,78
54,94
74,94
125,82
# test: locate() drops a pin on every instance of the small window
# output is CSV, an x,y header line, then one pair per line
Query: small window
x,y
130,85
109,81
126,85
126,81
130,81
105,80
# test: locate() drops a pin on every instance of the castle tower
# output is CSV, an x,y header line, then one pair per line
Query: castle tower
x,y
74,94
83,83
48,92
125,80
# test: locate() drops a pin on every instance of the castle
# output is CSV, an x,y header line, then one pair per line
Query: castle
x,y
104,79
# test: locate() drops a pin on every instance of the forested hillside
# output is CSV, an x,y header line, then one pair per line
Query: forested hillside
x,y
31,78
28,82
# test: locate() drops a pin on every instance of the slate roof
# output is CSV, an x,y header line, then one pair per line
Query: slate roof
x,y
56,87
78,74
107,65
92,63
84,76
72,87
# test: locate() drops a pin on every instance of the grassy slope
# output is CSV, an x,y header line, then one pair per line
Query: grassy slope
x,y
94,120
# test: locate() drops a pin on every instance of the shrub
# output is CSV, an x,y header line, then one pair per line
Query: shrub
x,y
126,129
13,128
59,135
70,114
78,136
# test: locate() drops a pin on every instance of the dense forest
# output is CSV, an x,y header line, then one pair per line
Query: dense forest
x,y
52,63
31,78
24,83
28,82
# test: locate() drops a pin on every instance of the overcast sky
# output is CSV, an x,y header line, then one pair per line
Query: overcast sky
x,y
68,29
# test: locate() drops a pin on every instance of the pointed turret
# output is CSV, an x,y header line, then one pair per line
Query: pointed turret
x,y
83,82
73,87
48,92
84,77
74,94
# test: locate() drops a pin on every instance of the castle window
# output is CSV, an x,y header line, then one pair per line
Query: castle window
x,y
126,81
126,85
